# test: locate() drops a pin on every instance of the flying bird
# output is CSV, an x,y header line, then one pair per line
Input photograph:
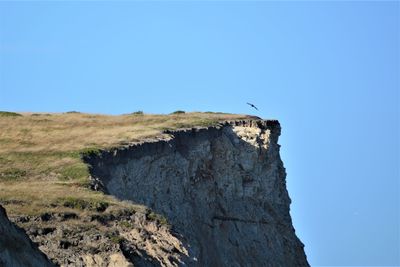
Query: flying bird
x,y
252,106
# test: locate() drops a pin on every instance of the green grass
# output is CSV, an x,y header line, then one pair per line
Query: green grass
x,y
64,165
76,171
84,204
126,224
12,174
115,238
6,140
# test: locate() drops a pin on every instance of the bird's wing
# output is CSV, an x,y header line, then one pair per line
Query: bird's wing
x,y
252,105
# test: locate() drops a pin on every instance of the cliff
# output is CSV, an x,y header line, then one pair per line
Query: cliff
x,y
16,249
193,189
221,188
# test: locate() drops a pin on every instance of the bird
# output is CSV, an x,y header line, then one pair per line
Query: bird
x,y
252,106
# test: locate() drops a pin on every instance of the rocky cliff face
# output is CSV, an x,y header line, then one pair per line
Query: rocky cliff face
x,y
222,189
16,249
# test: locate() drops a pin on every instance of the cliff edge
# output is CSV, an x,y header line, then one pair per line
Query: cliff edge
x,y
222,189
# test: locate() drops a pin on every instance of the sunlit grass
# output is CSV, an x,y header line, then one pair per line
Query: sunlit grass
x,y
40,154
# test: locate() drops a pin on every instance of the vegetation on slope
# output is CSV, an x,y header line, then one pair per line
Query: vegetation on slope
x,y
40,155
9,114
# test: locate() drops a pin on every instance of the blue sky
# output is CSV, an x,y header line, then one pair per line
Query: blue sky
x,y
329,71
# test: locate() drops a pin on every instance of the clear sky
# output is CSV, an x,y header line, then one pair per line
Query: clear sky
x,y
329,71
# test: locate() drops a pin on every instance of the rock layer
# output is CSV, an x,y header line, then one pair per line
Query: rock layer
x,y
222,189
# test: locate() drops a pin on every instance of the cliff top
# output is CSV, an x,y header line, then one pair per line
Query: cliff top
x,y
38,132
40,154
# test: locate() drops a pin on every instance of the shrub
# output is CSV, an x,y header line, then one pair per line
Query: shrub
x,y
178,112
126,224
156,217
89,151
115,237
75,203
100,205
9,114
82,204
139,112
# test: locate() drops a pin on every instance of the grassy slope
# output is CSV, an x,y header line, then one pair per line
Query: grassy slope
x,y
40,166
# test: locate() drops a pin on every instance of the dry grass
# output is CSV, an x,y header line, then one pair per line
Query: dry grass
x,y
40,163
74,131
